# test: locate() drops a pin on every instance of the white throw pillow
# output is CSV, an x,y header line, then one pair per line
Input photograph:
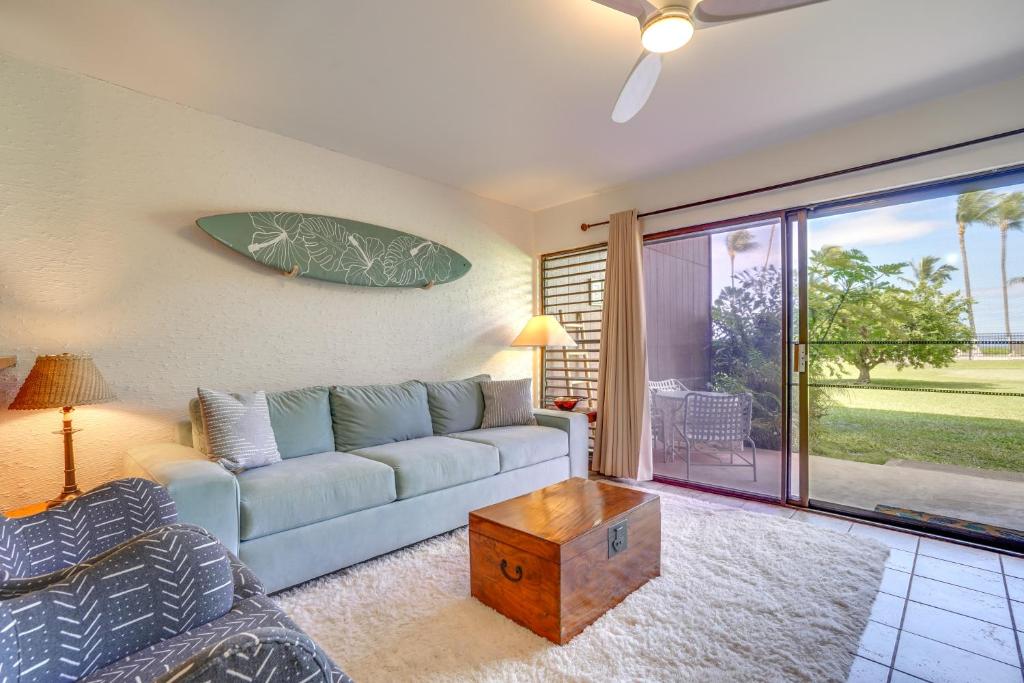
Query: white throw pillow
x,y
238,431
507,403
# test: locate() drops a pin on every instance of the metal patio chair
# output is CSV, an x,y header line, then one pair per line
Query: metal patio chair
x,y
710,417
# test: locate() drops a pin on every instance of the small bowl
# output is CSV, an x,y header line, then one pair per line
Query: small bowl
x,y
567,403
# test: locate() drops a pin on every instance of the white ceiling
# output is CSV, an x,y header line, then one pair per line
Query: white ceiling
x,y
511,99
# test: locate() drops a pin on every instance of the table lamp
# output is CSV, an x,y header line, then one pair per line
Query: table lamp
x,y
63,381
543,330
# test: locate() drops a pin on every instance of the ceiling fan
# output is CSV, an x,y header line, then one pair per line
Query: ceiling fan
x,y
667,25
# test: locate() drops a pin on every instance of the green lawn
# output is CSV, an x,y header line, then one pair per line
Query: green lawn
x,y
960,429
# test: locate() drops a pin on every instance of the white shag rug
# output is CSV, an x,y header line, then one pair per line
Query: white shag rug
x,y
742,597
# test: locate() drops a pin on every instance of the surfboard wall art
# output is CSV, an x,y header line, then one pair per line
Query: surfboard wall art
x,y
336,249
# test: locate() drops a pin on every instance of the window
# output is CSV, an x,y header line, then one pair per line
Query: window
x,y
572,290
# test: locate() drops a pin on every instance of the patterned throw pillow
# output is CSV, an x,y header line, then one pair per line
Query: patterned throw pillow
x,y
238,430
507,403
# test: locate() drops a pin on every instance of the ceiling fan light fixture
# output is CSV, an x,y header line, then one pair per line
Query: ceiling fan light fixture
x,y
666,30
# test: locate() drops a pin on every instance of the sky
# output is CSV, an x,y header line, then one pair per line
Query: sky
x,y
901,233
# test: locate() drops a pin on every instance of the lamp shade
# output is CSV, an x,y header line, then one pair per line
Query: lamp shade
x,y
543,330
61,381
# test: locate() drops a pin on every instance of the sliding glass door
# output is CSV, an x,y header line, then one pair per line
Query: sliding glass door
x,y
912,313
865,355
715,321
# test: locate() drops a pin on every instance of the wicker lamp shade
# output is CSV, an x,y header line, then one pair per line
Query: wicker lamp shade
x,y
60,381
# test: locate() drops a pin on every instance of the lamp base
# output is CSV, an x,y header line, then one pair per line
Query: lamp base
x,y
71,490
64,497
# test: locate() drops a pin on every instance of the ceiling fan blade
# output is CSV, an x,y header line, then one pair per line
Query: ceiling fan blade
x,y
709,12
637,8
638,87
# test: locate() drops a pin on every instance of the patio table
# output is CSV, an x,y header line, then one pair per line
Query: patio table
x,y
674,403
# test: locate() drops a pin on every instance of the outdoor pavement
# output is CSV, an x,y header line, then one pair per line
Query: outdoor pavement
x,y
987,496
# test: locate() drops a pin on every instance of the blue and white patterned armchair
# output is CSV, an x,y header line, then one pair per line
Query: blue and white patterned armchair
x,y
109,588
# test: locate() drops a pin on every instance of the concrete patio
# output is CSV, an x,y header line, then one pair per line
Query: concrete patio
x,y
988,496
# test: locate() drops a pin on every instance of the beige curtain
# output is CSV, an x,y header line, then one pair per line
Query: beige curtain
x,y
623,444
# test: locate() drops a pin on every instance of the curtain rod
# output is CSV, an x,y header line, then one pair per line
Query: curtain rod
x,y
821,176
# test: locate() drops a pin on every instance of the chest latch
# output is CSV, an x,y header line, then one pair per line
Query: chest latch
x,y
618,539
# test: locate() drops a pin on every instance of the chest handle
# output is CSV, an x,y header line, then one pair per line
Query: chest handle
x,y
518,570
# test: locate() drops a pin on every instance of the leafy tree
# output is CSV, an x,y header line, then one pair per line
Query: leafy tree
x,y
972,208
746,356
1008,214
737,242
854,302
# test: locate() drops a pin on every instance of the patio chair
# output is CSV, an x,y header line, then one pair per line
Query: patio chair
x,y
711,417
666,385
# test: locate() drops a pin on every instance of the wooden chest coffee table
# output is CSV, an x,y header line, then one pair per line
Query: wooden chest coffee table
x,y
557,559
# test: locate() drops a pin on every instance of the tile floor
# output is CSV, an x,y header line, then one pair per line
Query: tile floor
x,y
944,612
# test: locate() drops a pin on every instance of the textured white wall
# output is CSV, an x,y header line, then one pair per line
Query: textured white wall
x,y
99,188
970,114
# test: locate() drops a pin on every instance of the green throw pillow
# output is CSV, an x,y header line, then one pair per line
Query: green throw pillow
x,y
301,419
379,413
456,406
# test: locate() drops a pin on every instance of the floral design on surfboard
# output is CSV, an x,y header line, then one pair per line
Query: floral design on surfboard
x,y
336,249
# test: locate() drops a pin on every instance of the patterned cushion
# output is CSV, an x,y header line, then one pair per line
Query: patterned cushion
x,y
154,588
238,429
157,660
507,403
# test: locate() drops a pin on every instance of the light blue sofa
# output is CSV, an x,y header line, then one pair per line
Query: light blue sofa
x,y
365,471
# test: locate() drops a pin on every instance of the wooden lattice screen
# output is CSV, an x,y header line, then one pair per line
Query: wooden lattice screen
x,y
572,289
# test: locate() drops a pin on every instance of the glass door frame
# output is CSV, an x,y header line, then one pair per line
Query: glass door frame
x,y
712,228
795,338
796,353
797,219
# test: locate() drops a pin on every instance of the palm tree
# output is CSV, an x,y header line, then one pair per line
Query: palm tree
x,y
1008,215
737,242
928,272
971,208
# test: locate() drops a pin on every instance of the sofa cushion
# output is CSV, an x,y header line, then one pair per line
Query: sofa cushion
x,y
521,446
301,419
434,462
238,431
456,406
308,489
507,403
377,414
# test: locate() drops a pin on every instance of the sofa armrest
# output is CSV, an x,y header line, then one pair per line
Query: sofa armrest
x,y
577,427
272,651
205,493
